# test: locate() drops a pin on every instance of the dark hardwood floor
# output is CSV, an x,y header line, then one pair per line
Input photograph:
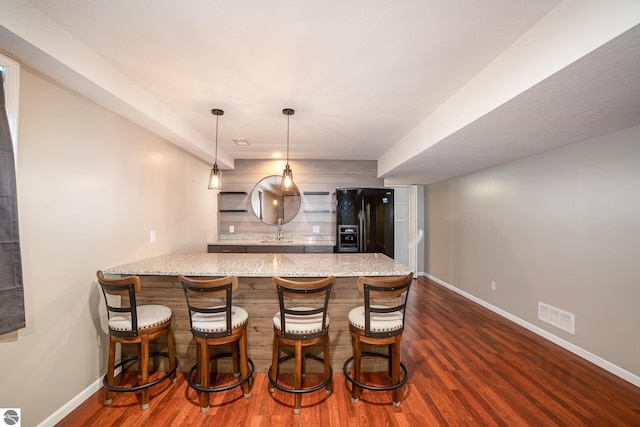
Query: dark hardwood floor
x,y
467,366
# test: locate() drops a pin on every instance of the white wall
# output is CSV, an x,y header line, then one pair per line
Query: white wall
x,y
562,227
91,186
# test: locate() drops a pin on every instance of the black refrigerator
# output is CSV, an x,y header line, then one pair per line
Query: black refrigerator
x,y
364,220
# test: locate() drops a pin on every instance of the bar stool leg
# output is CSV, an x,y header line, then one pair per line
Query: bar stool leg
x,y
235,357
327,364
171,347
395,369
303,365
203,367
144,367
111,360
297,377
197,379
274,362
357,353
390,362
244,364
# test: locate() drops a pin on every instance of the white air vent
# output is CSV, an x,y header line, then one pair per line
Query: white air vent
x,y
556,317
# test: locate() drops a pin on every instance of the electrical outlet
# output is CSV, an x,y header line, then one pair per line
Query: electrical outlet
x,y
232,229
152,236
316,228
493,286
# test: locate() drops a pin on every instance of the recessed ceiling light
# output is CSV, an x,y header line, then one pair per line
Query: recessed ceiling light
x,y
241,141
276,155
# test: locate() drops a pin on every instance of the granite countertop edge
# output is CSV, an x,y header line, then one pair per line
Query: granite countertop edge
x,y
264,265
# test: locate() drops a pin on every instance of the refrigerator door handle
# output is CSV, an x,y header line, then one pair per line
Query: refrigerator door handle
x,y
362,219
361,231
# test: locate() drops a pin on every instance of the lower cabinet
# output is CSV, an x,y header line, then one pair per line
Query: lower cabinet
x,y
269,249
275,249
220,249
318,249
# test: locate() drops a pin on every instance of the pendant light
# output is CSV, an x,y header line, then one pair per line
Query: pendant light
x,y
287,174
215,179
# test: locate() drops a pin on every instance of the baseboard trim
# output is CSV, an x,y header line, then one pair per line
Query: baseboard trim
x,y
68,407
596,360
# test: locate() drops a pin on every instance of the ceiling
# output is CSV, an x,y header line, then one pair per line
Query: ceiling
x,y
362,76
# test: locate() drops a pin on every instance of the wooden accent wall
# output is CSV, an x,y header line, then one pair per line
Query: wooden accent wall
x,y
256,295
309,176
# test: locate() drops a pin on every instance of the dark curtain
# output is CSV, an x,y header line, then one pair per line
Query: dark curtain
x,y
11,292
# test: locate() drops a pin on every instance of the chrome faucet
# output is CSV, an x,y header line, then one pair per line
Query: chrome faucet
x,y
279,234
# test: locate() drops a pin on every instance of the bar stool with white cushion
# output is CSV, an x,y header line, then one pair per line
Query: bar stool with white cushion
x,y
301,326
130,323
380,321
215,321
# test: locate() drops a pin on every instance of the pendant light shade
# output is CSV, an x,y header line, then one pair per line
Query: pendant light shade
x,y
287,178
215,178
287,174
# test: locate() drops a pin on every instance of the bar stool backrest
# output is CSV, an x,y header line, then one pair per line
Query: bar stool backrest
x,y
125,288
210,296
289,291
381,296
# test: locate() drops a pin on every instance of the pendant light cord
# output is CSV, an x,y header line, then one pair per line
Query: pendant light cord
x,y
217,112
215,161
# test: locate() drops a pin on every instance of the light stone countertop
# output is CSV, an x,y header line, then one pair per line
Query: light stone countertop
x,y
264,265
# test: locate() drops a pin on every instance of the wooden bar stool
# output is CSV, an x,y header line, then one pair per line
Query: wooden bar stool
x,y
380,321
215,325
130,323
301,327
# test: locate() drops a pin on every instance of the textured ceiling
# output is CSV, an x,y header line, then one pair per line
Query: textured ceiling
x,y
361,75
596,95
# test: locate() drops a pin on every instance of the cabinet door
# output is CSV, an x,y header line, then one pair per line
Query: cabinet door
x,y
220,249
275,249
318,249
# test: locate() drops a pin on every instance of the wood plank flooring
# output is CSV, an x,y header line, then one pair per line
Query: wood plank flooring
x,y
467,367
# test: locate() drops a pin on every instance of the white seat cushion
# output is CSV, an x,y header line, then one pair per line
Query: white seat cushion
x,y
217,322
300,324
380,322
148,316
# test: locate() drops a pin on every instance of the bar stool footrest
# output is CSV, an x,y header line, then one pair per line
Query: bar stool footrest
x,y
192,384
374,387
141,386
323,384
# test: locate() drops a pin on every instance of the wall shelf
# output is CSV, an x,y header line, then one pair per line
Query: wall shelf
x,y
317,203
232,201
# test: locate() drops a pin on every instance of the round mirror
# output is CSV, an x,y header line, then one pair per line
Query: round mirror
x,y
269,203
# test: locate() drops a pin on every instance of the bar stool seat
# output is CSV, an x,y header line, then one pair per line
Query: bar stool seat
x,y
301,326
130,323
375,323
216,325
148,316
380,322
217,322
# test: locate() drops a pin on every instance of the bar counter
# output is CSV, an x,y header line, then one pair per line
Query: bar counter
x,y
255,294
